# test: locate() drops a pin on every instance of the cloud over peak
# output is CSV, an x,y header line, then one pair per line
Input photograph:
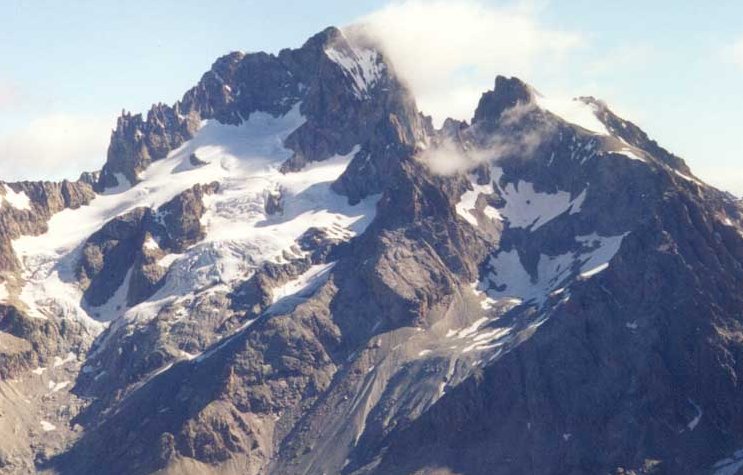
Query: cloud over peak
x,y
449,52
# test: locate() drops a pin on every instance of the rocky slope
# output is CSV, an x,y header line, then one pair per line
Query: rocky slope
x,y
291,271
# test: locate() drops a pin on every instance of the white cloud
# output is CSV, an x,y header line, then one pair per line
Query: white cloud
x,y
448,158
9,95
54,147
734,52
450,51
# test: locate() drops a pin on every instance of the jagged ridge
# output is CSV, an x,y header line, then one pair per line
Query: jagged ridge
x,y
535,292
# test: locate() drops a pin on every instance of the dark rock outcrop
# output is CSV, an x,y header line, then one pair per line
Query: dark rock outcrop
x,y
134,242
136,142
28,342
508,93
180,218
108,255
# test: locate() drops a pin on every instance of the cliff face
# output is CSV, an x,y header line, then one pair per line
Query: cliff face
x,y
291,271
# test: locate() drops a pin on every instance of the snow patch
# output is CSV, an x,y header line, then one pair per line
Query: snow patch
x,y
487,303
63,361
18,200
694,422
574,111
484,340
47,426
167,260
630,154
527,208
287,296
55,387
602,250
468,201
187,355
150,244
301,285
362,65
240,236
591,272
465,332
507,276
730,465
122,184
116,305
688,178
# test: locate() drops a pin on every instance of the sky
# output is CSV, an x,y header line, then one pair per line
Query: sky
x,y
67,69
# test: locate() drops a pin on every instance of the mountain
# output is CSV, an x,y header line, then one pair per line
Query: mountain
x,y
291,270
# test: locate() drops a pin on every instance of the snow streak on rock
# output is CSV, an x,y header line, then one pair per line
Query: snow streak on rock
x,y
362,65
507,277
240,234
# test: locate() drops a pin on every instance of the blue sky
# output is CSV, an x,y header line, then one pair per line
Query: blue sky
x,y
676,68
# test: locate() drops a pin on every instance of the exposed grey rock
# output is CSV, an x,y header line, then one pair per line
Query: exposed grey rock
x,y
378,160
274,204
508,93
29,343
395,359
136,142
181,217
196,161
146,273
108,254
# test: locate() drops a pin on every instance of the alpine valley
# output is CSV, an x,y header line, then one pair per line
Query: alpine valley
x,y
292,271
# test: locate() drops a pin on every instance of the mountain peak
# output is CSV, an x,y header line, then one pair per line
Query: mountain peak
x,y
323,38
342,82
508,92
291,268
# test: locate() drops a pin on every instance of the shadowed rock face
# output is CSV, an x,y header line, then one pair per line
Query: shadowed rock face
x,y
508,93
561,300
29,343
134,242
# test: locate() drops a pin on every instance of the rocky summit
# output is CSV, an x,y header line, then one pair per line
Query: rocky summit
x,y
292,271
